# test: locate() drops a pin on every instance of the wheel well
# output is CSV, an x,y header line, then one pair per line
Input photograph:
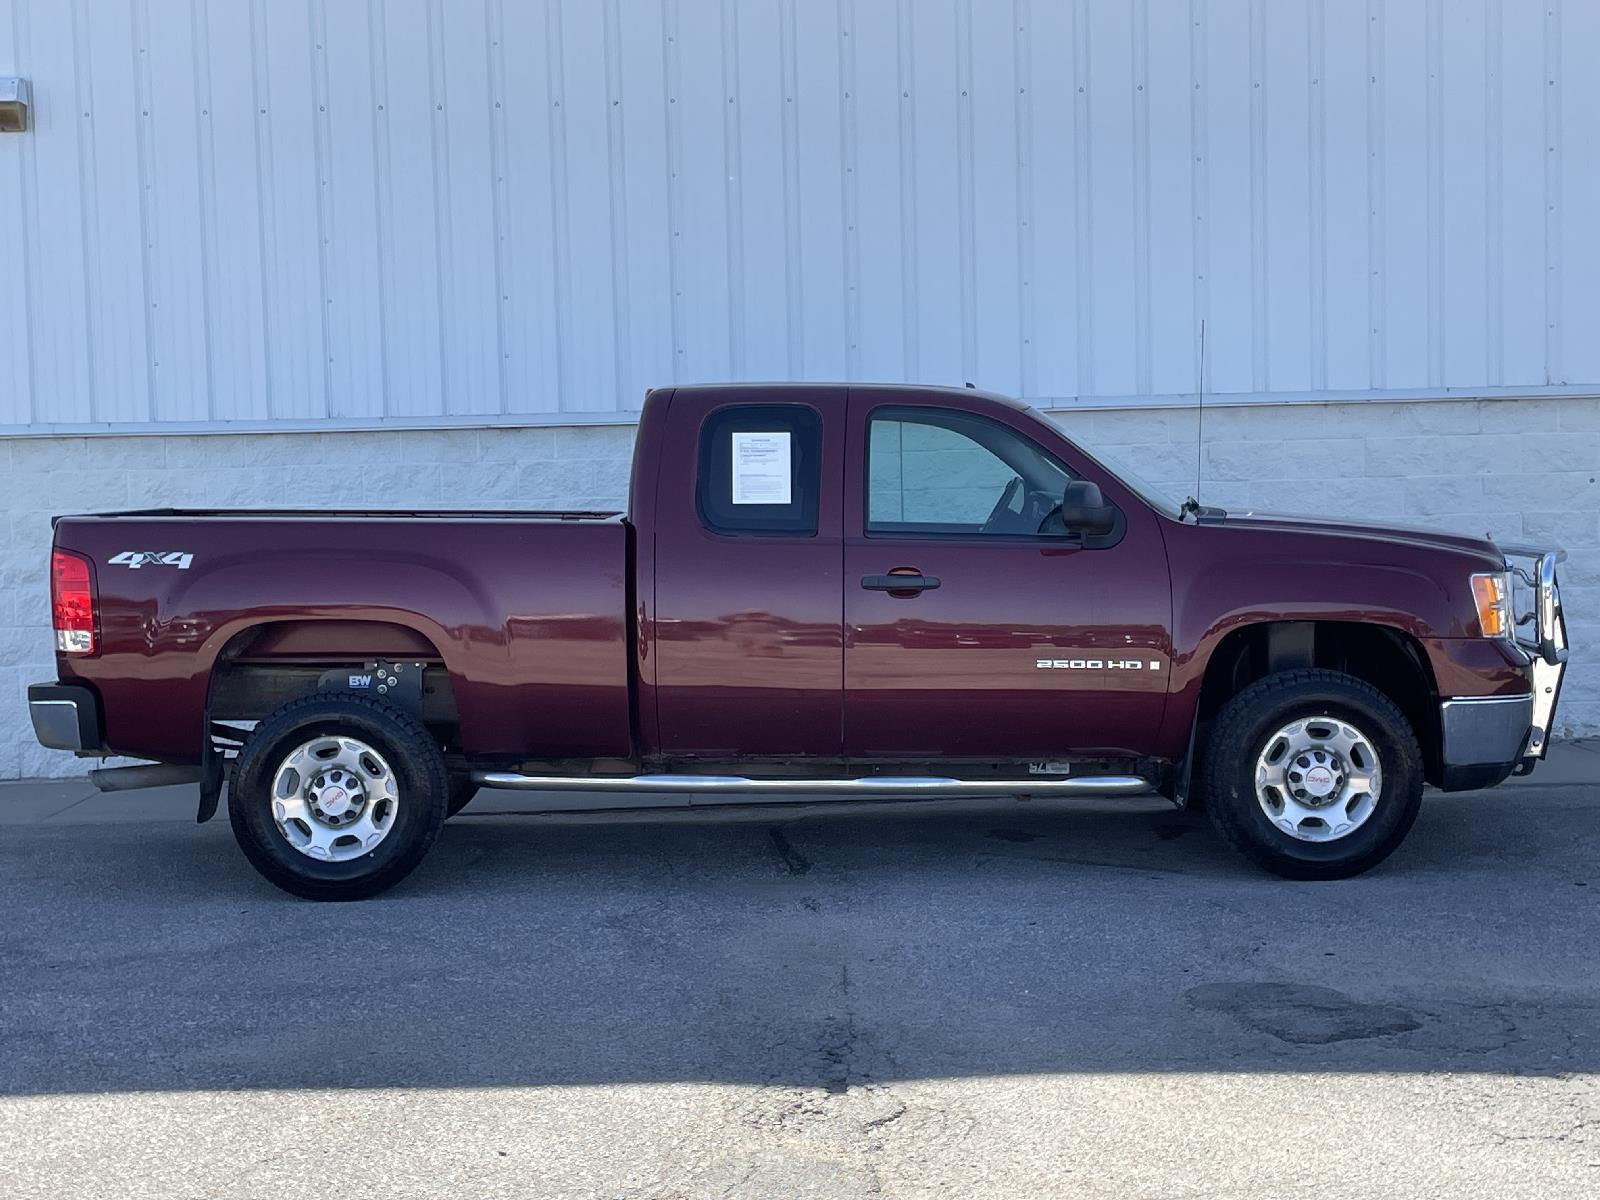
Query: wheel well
x,y
1389,659
270,664
330,641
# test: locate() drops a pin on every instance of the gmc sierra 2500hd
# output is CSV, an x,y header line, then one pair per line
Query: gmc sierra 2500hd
x,y
817,591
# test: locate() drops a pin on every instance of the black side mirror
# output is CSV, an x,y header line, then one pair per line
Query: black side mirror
x,y
1084,510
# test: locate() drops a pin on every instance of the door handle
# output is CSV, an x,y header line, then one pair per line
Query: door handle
x,y
909,585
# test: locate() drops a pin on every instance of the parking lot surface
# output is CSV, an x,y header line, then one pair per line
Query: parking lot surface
x,y
1002,1000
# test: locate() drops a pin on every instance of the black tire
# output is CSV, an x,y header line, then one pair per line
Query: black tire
x,y
462,790
1240,734
419,773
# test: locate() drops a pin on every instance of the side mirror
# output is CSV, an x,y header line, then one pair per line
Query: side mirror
x,y
1084,510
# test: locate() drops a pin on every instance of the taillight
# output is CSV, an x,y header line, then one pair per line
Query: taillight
x,y
72,602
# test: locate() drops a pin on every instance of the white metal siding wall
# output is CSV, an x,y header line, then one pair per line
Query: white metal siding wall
x,y
413,211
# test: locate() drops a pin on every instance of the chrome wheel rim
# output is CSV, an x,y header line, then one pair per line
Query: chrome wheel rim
x,y
334,798
1318,779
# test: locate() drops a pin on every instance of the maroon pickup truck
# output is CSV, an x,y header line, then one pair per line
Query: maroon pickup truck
x,y
818,591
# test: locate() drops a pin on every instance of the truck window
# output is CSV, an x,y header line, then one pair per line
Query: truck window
x,y
940,471
760,470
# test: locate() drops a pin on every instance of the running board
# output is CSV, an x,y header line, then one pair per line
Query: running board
x,y
913,786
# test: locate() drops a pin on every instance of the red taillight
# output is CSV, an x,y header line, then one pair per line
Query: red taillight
x,y
72,602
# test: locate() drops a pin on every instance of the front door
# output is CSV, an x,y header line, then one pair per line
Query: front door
x,y
971,634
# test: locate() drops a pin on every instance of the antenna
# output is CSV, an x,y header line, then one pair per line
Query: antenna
x,y
1200,417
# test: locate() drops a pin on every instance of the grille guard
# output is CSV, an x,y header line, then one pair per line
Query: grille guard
x,y
1546,646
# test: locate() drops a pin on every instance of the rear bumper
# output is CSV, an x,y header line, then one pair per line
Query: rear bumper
x,y
66,716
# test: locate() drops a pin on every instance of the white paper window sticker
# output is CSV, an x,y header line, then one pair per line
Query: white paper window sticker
x,y
761,468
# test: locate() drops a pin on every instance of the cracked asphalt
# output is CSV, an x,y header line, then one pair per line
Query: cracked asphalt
x,y
1008,1000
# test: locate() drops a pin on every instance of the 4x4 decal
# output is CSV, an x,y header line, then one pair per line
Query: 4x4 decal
x,y
134,559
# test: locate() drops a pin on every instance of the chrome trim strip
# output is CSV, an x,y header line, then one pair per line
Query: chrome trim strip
x,y
882,785
1449,700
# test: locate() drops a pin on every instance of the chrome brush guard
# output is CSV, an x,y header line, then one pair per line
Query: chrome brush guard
x,y
1540,632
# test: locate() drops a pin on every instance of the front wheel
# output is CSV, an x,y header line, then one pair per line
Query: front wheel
x,y
1312,774
338,797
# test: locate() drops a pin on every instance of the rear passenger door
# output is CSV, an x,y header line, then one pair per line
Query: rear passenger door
x,y
748,640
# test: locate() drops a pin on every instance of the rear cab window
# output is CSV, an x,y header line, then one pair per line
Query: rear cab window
x,y
759,470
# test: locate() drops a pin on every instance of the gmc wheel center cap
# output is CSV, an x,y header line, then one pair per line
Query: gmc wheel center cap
x,y
1319,781
334,801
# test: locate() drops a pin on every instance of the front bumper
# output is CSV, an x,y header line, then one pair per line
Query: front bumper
x,y
66,716
1487,738
1484,739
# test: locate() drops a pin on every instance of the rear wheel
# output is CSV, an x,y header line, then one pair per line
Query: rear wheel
x,y
1313,774
338,797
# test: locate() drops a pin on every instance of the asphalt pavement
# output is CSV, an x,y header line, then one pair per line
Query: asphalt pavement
x,y
964,1000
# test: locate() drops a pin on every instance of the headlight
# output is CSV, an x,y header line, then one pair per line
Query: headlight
x,y
1492,594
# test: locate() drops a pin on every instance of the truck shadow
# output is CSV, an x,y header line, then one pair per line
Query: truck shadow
x,y
825,949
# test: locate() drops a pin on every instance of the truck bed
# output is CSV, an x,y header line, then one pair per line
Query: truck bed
x,y
527,613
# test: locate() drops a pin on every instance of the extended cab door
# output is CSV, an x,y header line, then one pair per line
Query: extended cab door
x,y
743,654
976,626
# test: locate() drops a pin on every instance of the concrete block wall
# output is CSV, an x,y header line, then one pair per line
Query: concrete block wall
x,y
1522,470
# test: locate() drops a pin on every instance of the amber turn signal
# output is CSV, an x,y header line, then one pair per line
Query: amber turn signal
x,y
1492,594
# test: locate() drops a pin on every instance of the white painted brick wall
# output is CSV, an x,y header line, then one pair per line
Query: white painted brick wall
x,y
1521,470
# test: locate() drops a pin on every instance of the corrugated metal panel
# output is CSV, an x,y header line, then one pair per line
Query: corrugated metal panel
x,y
420,211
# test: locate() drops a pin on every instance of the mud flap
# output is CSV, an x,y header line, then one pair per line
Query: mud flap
x,y
1183,772
211,771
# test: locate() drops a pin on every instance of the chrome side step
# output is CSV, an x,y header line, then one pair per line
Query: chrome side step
x,y
911,786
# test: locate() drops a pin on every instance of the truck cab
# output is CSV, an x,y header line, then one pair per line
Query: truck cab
x,y
916,592
845,591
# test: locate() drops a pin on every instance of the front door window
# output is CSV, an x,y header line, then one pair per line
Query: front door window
x,y
941,472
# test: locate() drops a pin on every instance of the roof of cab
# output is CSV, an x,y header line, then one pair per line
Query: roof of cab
x,y
756,390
